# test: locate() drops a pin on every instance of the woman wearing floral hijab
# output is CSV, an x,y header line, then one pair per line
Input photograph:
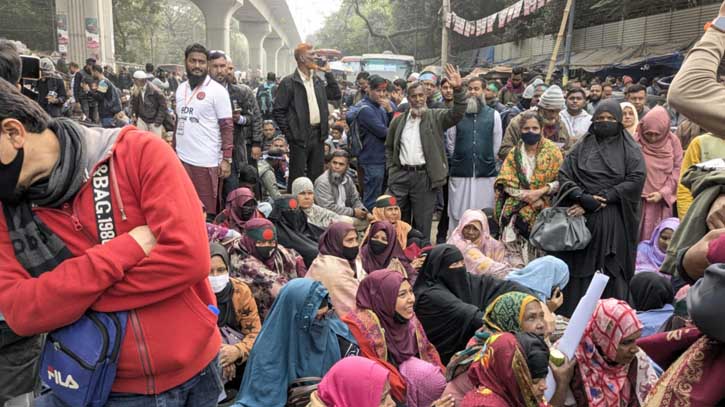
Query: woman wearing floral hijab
x,y
611,370
263,264
663,157
483,254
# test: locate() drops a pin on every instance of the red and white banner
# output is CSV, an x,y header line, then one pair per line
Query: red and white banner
x,y
487,24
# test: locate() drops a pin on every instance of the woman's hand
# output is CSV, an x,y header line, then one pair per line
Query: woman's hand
x,y
445,401
716,216
564,373
229,354
602,201
229,372
575,210
538,205
654,197
530,196
555,301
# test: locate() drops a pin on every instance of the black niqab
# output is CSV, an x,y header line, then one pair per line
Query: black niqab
x,y
293,230
450,304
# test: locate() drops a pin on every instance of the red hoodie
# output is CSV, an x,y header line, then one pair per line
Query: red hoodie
x,y
171,334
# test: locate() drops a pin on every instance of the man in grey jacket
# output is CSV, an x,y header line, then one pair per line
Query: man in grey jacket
x,y
415,155
335,189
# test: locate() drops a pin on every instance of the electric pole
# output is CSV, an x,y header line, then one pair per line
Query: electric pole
x,y
444,33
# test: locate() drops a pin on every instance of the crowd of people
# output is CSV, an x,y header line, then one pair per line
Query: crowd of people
x,y
306,243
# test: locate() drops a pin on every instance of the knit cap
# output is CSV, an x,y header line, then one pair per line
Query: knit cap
x,y
553,99
529,91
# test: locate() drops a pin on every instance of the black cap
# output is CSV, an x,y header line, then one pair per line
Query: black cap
x,y
91,61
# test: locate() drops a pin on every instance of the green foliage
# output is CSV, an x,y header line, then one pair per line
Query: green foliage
x,y
30,21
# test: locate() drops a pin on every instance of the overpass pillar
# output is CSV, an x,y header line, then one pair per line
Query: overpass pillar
x,y
255,33
90,29
283,59
217,16
271,46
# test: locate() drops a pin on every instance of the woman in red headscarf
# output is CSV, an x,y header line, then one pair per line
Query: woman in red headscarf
x,y
663,157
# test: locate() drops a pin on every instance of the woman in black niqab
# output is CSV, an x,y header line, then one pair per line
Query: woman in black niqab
x,y
293,230
608,169
450,302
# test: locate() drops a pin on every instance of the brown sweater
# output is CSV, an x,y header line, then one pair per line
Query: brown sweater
x,y
246,312
695,91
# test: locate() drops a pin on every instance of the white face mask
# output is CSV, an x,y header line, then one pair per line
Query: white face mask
x,y
219,282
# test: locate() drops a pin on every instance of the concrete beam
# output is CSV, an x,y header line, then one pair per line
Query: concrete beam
x,y
271,46
255,33
217,16
283,61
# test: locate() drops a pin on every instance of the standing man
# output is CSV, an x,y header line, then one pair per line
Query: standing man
x,y
302,113
148,105
87,225
51,89
595,97
362,82
246,116
107,97
82,81
415,155
265,95
374,117
574,116
491,94
514,88
636,94
204,136
474,144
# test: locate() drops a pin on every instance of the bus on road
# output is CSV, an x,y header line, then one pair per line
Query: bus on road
x,y
388,65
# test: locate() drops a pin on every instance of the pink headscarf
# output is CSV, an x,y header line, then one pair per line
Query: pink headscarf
x,y
353,381
425,383
488,246
663,157
607,384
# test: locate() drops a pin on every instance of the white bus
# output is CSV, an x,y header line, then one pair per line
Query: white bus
x,y
388,65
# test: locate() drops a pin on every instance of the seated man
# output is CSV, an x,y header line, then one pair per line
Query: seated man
x,y
335,189
271,163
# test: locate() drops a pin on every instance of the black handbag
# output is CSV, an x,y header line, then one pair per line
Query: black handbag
x,y
556,231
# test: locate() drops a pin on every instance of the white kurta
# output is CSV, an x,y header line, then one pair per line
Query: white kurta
x,y
471,193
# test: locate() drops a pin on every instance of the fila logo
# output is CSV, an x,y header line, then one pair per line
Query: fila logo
x,y
57,377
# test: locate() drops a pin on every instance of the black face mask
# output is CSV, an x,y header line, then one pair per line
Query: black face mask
x,y
266,252
605,129
9,175
377,247
530,138
246,212
454,270
350,253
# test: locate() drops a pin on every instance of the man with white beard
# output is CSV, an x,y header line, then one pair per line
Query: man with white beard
x,y
474,145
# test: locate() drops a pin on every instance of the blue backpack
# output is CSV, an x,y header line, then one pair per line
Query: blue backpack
x,y
79,361
354,138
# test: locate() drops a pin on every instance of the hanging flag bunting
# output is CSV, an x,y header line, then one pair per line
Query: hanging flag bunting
x,y
481,26
488,24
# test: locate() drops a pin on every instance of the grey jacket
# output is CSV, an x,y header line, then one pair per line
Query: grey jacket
x,y
326,195
432,126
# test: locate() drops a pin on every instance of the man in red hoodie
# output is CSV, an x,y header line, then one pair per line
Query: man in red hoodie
x,y
107,220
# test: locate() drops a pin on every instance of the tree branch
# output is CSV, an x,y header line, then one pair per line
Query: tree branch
x,y
390,36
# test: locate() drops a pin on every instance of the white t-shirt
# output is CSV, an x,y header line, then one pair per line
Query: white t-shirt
x,y
198,111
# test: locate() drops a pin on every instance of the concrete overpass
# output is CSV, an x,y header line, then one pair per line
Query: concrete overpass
x,y
267,25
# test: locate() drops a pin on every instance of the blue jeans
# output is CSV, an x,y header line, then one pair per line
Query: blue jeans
x,y
108,122
373,177
202,390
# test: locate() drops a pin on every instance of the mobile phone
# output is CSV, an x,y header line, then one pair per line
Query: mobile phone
x,y
31,67
320,61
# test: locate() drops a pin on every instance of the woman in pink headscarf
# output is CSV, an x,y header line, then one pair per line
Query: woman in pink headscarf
x,y
663,157
482,253
354,381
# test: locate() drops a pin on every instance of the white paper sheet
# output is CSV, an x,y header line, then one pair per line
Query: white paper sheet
x,y
578,322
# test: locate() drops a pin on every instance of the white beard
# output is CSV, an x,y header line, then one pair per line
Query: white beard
x,y
475,103
418,112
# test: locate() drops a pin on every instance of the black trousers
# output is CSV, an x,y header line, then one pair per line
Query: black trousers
x,y
18,357
415,197
306,159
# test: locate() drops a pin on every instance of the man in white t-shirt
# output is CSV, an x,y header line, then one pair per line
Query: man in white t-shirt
x,y
204,136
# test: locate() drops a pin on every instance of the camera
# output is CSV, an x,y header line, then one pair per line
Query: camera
x,y
31,67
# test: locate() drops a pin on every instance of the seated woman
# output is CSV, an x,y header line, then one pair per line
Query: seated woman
x,y
238,318
293,229
450,301
630,118
354,381
381,250
264,264
218,233
524,187
510,372
482,253
387,331
511,312
653,300
240,208
610,369
338,266
300,338
386,208
651,253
